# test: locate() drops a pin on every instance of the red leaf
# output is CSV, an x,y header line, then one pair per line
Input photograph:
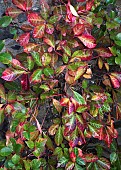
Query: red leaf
x,y
35,19
69,17
80,0
114,81
117,75
104,52
25,82
78,29
88,40
25,5
13,12
89,4
24,39
10,74
73,156
26,27
108,139
20,4
39,31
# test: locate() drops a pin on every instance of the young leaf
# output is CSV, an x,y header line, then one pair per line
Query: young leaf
x,y
49,28
10,74
39,31
88,40
24,39
73,11
59,136
79,98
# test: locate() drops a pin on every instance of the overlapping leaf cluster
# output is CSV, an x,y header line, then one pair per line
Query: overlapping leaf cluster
x,y
67,58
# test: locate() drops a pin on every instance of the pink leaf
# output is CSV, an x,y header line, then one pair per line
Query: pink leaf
x,y
89,4
88,40
78,29
114,81
104,52
24,39
35,19
10,74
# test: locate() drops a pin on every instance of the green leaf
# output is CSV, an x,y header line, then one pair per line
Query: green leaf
x,y
67,50
12,86
80,161
30,63
26,135
15,159
37,58
30,144
95,123
53,19
35,163
84,84
59,136
48,71
1,115
79,98
65,58
1,44
36,76
6,151
5,58
5,21
113,157
62,161
27,164
118,37
118,60
78,167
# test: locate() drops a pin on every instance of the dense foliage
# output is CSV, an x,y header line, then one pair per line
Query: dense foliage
x,y
71,63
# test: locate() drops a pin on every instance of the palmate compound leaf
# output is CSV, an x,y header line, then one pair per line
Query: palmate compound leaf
x,y
24,39
25,5
35,19
13,12
10,74
39,31
88,40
